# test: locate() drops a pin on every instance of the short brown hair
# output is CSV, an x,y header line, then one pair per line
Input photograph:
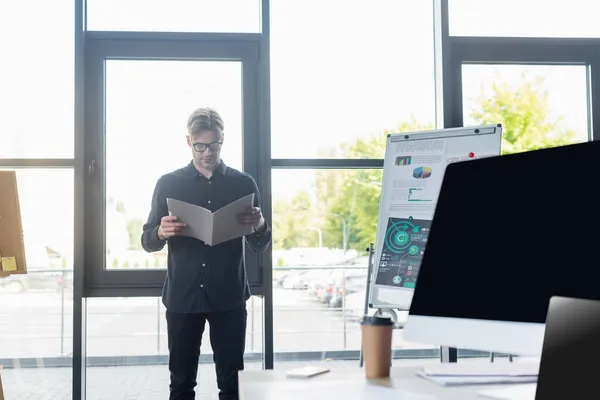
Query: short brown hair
x,y
205,119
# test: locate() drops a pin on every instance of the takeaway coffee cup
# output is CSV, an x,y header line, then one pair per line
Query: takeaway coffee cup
x,y
377,346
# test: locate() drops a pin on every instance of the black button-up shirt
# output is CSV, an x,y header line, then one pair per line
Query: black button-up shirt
x,y
201,278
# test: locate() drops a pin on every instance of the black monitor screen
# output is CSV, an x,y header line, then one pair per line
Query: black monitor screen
x,y
510,232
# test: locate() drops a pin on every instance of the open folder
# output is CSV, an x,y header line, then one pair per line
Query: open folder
x,y
212,227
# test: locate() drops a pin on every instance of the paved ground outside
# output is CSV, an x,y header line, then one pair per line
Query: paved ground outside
x,y
39,324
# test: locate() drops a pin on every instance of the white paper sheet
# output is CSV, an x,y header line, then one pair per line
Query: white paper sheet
x,y
477,380
307,372
212,228
484,369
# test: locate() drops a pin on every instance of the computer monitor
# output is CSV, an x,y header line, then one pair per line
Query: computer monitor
x,y
508,234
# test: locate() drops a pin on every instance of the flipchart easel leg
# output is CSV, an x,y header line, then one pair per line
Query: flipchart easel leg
x,y
1,388
367,292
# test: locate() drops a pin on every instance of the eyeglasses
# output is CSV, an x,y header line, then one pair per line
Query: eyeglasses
x,y
201,147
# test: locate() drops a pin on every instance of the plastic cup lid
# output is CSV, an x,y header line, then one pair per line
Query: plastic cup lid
x,y
375,320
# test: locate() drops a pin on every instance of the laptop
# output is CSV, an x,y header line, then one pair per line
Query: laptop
x,y
569,363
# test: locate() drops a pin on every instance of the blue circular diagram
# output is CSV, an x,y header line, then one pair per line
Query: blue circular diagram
x,y
402,238
398,236
397,279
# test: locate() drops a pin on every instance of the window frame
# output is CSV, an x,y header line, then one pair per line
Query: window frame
x,y
103,46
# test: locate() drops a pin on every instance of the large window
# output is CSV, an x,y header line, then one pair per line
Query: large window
x,y
140,90
530,18
370,71
139,95
525,64
36,79
36,137
147,107
335,94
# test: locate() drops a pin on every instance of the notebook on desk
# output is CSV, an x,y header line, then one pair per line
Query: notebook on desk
x,y
571,340
457,374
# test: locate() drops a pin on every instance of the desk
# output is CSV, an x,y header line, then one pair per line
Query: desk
x,y
350,384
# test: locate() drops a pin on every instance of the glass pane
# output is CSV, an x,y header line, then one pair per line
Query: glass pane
x,y
36,79
379,78
323,222
132,333
517,18
530,102
147,107
36,309
174,15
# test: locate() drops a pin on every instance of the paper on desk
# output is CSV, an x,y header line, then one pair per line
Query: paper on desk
x,y
212,228
476,380
517,392
484,369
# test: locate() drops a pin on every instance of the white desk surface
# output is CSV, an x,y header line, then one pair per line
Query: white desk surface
x,y
350,384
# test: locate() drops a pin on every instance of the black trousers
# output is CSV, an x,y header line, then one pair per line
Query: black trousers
x,y
227,339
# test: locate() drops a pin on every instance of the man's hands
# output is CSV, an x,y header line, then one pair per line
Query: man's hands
x,y
169,227
253,216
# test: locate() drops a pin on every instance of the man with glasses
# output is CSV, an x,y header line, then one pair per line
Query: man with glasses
x,y
204,283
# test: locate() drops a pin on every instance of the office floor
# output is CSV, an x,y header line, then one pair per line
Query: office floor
x,y
125,383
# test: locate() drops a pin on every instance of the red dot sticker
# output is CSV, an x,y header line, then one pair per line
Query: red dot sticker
x,y
471,155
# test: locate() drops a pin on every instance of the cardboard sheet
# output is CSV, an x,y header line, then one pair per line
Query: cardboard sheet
x,y
12,250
